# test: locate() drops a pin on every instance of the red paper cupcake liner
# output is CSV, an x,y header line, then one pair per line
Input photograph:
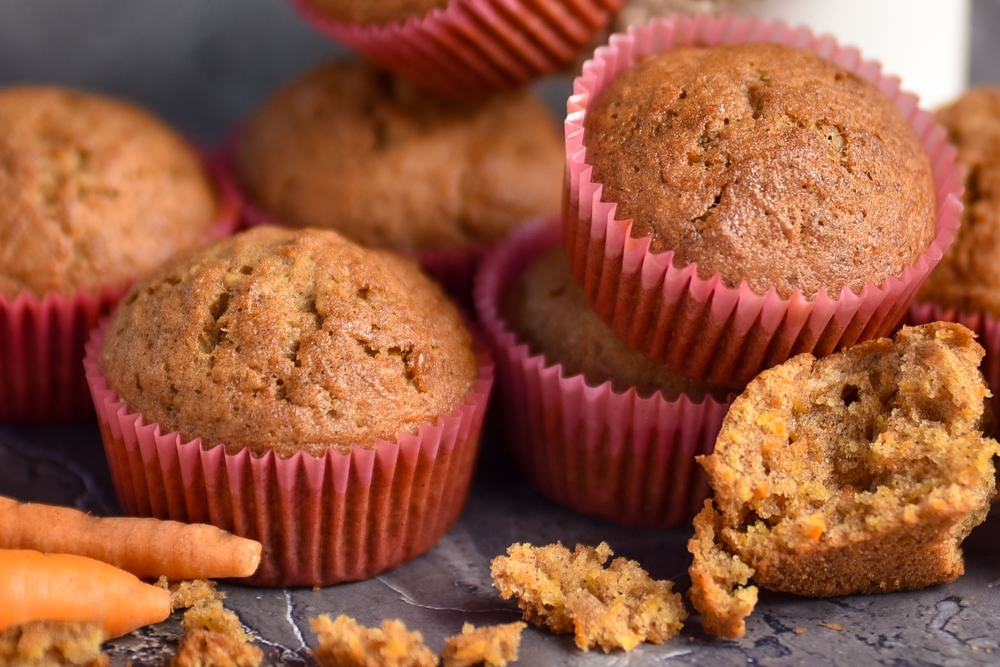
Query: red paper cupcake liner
x,y
701,328
614,455
42,338
471,48
321,521
987,329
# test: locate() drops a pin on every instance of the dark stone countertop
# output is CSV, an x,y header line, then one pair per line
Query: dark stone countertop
x,y
205,65
952,624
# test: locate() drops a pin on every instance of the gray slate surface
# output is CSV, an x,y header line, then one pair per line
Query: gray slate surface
x,y
203,65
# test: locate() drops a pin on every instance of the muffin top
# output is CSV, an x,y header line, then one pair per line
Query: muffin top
x,y
375,11
350,148
93,191
968,276
288,340
549,313
763,163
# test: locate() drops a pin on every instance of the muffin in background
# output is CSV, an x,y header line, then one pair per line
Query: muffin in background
x,y
592,424
463,49
784,292
965,285
341,374
94,191
352,148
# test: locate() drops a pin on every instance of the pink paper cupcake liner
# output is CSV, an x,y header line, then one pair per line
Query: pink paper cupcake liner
x,y
614,455
321,521
987,330
471,48
453,268
42,338
701,328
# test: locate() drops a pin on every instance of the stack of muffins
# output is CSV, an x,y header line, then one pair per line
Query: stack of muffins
x,y
736,193
732,193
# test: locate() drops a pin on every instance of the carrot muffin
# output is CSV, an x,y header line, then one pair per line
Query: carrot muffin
x,y
590,423
968,276
350,148
286,341
861,472
94,191
764,163
341,374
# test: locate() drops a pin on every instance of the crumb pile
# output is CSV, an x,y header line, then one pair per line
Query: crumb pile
x,y
214,635
860,472
492,646
345,643
572,592
53,644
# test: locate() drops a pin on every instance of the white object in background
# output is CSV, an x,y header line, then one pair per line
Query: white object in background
x,y
923,42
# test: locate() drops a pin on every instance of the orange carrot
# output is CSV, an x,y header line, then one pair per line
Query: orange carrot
x,y
63,587
148,548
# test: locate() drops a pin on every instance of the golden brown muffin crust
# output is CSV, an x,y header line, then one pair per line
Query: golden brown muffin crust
x,y
764,163
548,312
288,340
968,276
375,11
350,148
93,191
860,472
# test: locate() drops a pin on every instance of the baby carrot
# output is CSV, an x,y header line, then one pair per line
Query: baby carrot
x,y
63,587
148,548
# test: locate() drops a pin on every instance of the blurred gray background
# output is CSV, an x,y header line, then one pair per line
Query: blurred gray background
x,y
205,64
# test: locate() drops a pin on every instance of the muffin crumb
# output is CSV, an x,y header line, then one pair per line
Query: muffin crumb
x,y
214,635
186,594
492,645
345,643
53,644
617,607
861,472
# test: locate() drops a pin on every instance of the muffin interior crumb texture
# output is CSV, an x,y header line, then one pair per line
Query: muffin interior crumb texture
x,y
490,645
213,635
763,163
289,341
572,592
53,644
345,643
861,472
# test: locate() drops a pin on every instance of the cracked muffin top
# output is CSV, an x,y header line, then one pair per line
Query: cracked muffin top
x,y
288,340
93,191
349,147
968,276
763,163
375,11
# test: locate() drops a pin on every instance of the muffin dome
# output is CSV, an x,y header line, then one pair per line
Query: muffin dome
x,y
288,340
93,191
764,163
350,148
375,11
968,276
